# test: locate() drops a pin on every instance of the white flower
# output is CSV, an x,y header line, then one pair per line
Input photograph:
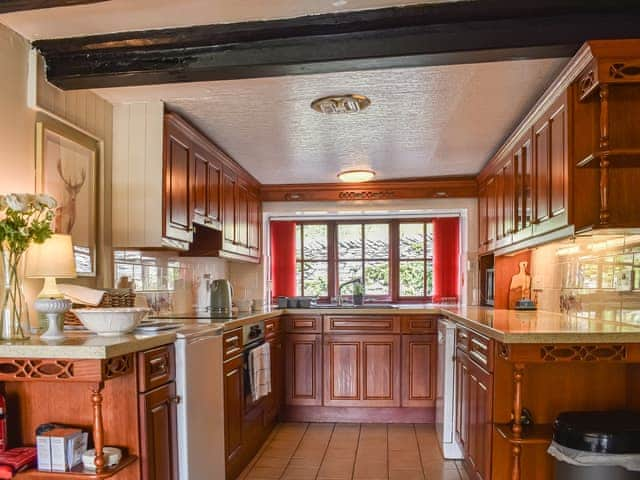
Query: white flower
x,y
46,201
27,199
14,203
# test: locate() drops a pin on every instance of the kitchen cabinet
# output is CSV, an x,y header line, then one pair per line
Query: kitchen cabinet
x,y
474,401
274,401
158,414
178,156
362,370
418,370
303,354
210,205
234,415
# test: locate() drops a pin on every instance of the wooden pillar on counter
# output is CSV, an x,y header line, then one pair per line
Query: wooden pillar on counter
x,y
516,428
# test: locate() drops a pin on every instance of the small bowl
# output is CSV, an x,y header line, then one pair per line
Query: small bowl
x,y
111,322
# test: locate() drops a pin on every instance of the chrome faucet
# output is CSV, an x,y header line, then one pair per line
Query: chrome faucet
x,y
353,281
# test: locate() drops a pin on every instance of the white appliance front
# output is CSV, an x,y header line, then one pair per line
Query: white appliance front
x,y
199,381
446,392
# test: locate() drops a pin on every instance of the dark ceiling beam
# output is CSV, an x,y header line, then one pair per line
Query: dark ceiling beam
x,y
423,35
8,6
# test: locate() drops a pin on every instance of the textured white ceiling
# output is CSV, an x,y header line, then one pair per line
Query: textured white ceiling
x,y
430,121
127,15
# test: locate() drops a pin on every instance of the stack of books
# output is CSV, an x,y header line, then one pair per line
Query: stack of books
x,y
61,449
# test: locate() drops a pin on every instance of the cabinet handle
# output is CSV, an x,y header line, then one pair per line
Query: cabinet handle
x,y
175,399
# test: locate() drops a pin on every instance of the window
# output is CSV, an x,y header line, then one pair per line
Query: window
x,y
312,260
415,255
393,258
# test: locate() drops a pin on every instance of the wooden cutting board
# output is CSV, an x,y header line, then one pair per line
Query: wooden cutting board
x,y
520,286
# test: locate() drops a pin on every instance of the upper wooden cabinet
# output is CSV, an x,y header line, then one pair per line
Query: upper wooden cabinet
x,y
555,174
210,205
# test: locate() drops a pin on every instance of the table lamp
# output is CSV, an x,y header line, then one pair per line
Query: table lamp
x,y
50,260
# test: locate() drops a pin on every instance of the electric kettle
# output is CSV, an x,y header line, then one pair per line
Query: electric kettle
x,y
221,293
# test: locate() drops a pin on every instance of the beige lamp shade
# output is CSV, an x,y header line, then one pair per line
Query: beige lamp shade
x,y
53,258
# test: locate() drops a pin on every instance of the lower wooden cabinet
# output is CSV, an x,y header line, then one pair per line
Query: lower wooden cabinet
x,y
233,415
273,402
303,357
474,422
419,363
362,370
158,427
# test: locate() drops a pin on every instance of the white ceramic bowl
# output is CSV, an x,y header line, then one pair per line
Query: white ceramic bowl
x,y
111,322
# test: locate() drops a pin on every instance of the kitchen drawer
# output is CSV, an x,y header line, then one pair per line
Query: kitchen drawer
x,y
156,367
481,351
463,336
362,324
231,344
271,327
417,324
303,324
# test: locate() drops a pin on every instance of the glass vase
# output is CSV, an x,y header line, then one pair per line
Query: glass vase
x,y
15,324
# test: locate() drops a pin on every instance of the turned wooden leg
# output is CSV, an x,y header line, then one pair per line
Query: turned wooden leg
x,y
98,428
516,428
515,468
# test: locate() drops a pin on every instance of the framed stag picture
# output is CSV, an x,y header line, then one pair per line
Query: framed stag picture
x,y
66,168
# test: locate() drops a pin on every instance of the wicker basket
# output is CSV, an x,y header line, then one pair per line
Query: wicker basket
x,y
114,297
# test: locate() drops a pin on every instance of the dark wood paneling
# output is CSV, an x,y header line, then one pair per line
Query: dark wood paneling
x,y
7,6
232,343
303,357
214,191
421,35
158,425
359,414
418,370
177,189
229,209
342,371
199,185
417,324
438,187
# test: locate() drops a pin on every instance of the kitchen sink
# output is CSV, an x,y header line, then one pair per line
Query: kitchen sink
x,y
351,306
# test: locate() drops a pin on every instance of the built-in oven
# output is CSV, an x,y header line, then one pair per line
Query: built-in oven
x,y
253,337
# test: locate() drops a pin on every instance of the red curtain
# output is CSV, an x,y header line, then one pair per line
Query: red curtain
x,y
446,258
283,259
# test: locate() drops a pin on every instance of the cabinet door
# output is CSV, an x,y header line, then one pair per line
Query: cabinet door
x,y
483,219
199,183
158,446
478,451
273,402
462,399
233,411
509,199
362,370
303,357
500,205
177,191
542,178
214,192
523,165
255,224
492,209
418,370
242,215
229,209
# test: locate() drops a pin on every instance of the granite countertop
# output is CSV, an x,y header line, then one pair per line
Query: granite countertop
x,y
510,326
507,326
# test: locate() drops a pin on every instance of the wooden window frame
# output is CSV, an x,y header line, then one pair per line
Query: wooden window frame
x,y
394,259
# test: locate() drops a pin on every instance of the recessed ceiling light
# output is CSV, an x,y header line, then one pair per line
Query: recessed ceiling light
x,y
341,104
356,175
339,3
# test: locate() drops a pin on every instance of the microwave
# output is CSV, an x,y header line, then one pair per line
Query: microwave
x,y
489,286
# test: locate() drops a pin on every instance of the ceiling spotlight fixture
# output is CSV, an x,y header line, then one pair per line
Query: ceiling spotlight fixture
x,y
341,104
357,175
339,3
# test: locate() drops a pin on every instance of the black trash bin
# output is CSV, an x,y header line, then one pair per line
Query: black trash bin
x,y
596,445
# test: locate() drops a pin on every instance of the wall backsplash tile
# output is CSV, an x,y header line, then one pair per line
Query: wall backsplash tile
x,y
594,277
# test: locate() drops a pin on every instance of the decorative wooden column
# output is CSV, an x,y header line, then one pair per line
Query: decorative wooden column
x,y
604,158
516,428
98,427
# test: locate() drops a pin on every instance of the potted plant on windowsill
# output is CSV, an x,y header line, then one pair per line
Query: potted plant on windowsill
x,y
358,293
24,219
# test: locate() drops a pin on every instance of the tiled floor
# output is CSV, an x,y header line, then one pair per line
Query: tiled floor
x,y
327,451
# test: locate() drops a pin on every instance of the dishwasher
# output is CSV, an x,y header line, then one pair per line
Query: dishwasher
x,y
446,390
199,383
